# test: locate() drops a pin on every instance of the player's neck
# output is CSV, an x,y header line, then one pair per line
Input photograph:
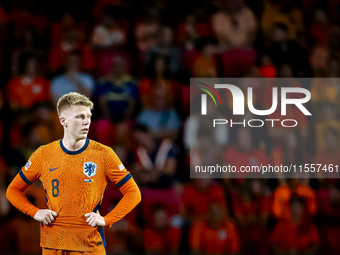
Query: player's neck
x,y
73,144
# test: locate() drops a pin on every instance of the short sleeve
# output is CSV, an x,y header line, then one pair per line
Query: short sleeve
x,y
115,170
32,170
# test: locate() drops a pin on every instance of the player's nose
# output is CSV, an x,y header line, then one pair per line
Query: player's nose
x,y
86,122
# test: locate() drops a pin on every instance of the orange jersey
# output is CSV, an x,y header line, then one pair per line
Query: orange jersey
x,y
74,183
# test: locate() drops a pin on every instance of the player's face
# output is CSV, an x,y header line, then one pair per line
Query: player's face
x,y
77,121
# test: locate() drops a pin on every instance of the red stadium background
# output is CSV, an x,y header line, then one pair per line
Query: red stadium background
x,y
134,59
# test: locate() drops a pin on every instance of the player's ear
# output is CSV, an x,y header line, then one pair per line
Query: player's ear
x,y
63,121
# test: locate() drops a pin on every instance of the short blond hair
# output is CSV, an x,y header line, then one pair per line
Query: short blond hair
x,y
72,99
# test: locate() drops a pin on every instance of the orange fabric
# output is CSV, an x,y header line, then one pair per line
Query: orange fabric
x,y
72,194
167,240
283,194
289,237
130,199
46,251
147,87
196,203
26,95
260,205
37,191
15,195
204,67
223,240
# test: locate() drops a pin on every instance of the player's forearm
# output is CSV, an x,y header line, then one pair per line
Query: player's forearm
x,y
130,199
15,195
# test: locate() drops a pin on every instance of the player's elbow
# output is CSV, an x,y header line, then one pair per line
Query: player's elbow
x,y
9,193
138,197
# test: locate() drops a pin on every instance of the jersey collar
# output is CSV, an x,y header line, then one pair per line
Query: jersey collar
x,y
74,152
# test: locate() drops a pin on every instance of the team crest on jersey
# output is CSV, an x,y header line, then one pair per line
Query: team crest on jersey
x,y
28,164
90,169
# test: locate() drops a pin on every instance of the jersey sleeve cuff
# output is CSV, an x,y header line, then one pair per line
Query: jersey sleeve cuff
x,y
123,181
33,212
107,224
24,178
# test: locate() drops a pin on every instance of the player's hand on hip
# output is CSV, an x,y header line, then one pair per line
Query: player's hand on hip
x,y
95,219
45,216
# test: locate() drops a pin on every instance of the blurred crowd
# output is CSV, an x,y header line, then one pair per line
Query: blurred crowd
x,y
134,59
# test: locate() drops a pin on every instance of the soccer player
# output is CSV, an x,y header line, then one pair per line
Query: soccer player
x,y
74,172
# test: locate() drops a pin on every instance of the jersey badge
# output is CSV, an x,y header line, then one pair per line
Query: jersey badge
x,y
90,169
28,164
121,167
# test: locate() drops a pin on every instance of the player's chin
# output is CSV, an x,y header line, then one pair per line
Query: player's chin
x,y
83,135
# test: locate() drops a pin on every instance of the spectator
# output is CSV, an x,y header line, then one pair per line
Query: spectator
x,y
67,22
164,47
267,69
283,12
72,80
235,28
328,217
293,188
297,233
117,92
288,151
192,28
160,237
29,88
284,51
59,54
158,75
156,159
244,153
195,125
28,46
320,27
162,120
205,65
252,206
234,25
118,98
120,237
327,118
197,197
328,156
216,235
109,33
146,32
